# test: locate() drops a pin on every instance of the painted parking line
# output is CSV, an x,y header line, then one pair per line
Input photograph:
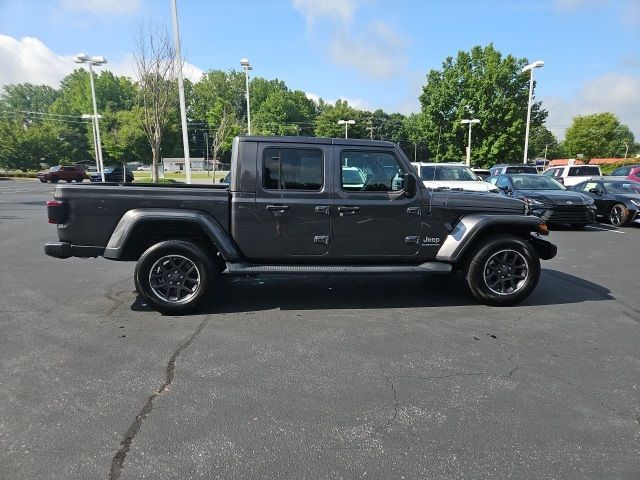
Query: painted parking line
x,y
592,227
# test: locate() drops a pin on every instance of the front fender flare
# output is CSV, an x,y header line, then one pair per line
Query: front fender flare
x,y
471,226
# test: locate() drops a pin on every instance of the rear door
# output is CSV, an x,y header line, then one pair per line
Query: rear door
x,y
374,219
293,199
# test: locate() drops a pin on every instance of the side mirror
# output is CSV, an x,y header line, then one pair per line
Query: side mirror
x,y
595,190
410,184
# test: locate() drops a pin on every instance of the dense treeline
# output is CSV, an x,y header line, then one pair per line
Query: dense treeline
x,y
43,125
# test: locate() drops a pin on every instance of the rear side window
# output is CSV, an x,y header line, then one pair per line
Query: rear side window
x,y
292,169
583,171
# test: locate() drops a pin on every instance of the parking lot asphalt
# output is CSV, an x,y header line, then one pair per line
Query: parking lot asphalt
x,y
316,377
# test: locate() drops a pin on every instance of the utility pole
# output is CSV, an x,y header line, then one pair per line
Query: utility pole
x,y
206,155
626,152
370,128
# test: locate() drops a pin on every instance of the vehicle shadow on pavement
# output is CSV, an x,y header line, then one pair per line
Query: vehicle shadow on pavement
x,y
320,292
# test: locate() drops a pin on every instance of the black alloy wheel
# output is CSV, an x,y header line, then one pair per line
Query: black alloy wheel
x,y
502,270
174,275
618,215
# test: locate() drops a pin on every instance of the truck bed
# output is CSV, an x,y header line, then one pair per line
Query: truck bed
x,y
101,206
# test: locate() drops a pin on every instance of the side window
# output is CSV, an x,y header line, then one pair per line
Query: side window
x,y
292,169
368,171
585,187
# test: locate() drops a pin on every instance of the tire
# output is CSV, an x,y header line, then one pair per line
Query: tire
x,y
79,179
171,261
618,215
497,255
54,179
43,180
69,180
578,226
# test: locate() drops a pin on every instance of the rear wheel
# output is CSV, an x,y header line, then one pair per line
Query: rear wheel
x,y
502,270
79,179
174,275
618,215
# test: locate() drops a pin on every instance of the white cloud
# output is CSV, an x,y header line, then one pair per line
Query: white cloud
x,y
314,9
358,103
30,60
376,51
102,7
613,92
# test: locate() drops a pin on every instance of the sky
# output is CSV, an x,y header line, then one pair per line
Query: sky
x,y
373,53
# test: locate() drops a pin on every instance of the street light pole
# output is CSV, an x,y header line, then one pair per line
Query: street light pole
x,y
471,122
94,61
346,124
183,108
247,66
529,68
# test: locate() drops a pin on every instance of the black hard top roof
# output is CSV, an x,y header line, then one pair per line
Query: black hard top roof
x,y
317,140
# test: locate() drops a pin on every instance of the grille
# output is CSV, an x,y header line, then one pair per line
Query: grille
x,y
568,214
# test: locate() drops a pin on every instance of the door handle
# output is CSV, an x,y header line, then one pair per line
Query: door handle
x,y
413,210
322,209
279,208
348,209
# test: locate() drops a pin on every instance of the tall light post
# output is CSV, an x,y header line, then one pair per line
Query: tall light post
x,y
247,66
87,116
471,122
529,68
94,62
183,109
346,124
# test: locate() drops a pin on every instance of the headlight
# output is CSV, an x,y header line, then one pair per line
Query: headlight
x,y
532,201
635,202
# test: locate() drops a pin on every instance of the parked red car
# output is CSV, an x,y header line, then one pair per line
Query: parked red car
x,y
632,172
63,172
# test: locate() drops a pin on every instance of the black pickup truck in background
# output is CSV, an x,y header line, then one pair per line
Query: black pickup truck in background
x,y
301,205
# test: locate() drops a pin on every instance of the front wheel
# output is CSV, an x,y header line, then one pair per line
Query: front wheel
x,y
618,215
502,270
173,276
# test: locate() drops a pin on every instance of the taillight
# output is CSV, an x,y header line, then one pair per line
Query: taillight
x,y
56,211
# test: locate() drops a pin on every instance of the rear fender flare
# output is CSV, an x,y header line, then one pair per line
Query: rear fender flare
x,y
130,220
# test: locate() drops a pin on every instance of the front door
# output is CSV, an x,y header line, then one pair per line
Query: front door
x,y
293,199
373,217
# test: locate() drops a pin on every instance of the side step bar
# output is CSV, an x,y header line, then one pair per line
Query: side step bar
x,y
250,268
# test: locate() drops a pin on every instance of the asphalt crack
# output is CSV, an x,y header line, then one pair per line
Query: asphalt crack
x,y
396,403
117,463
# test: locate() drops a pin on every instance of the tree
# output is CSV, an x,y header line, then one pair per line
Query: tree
x,y
543,143
284,112
485,85
597,135
327,121
124,138
155,66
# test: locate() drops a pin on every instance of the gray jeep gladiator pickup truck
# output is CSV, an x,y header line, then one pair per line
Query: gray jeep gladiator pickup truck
x,y
301,205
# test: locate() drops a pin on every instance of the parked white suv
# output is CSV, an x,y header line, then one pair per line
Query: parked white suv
x,y
454,176
570,175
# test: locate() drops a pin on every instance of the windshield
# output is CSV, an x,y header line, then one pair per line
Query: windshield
x,y
622,187
622,171
535,182
522,169
447,173
54,169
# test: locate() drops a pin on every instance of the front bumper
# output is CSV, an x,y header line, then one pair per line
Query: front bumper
x,y
66,250
545,249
